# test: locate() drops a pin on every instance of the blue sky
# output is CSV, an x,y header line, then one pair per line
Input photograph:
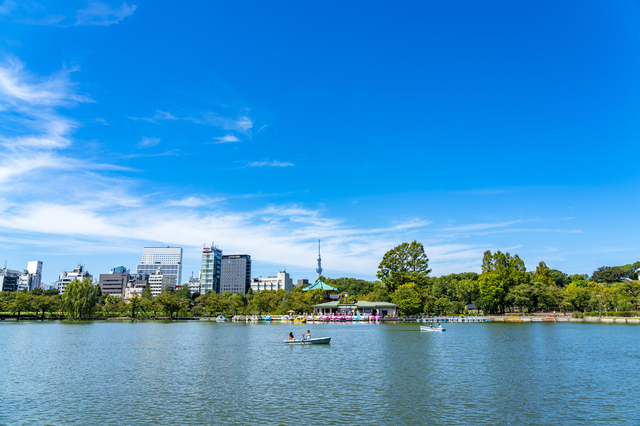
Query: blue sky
x,y
263,126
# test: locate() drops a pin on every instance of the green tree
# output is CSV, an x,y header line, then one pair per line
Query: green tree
x,y
601,295
442,306
560,278
45,304
547,296
578,277
543,274
167,303
500,272
576,297
467,290
79,299
183,292
237,303
378,294
22,302
146,292
408,299
522,296
607,274
631,289
135,303
111,304
404,264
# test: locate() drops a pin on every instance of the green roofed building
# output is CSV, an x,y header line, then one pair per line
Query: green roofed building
x,y
383,309
319,285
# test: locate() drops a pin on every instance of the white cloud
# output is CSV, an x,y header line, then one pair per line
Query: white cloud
x,y
99,13
109,213
273,163
33,131
479,226
100,121
242,123
28,12
160,115
192,202
227,138
148,142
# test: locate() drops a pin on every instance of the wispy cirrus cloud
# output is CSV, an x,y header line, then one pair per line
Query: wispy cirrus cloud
x,y
266,163
100,120
33,13
195,201
481,226
28,12
99,13
228,138
159,116
112,212
242,123
33,131
148,142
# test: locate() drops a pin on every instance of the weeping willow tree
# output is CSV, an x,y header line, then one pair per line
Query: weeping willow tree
x,y
79,299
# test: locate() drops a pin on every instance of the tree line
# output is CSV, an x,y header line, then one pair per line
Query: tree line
x,y
503,286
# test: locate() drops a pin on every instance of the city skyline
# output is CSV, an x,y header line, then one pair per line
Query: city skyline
x,y
465,126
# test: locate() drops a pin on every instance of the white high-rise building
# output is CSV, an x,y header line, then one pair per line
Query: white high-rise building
x,y
35,268
210,270
66,278
282,281
167,258
160,280
31,277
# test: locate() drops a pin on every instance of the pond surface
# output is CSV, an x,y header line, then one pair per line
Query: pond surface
x,y
234,373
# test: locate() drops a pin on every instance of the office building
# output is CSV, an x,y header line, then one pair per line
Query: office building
x,y
31,277
113,284
9,279
119,270
167,258
67,277
210,269
235,273
136,285
194,284
302,282
159,281
282,281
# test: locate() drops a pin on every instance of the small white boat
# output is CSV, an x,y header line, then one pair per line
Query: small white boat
x,y
425,328
221,318
315,341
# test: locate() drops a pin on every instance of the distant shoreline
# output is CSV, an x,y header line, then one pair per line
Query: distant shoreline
x,y
449,319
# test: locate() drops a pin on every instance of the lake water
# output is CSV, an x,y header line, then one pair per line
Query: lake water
x,y
226,373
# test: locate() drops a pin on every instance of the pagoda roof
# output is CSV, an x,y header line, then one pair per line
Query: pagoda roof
x,y
319,285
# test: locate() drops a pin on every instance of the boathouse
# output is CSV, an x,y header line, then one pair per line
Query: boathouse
x,y
384,309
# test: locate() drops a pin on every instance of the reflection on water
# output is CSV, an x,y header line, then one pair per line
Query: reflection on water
x,y
213,373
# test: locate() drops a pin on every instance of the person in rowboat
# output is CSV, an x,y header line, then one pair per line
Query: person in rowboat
x,y
306,336
291,336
